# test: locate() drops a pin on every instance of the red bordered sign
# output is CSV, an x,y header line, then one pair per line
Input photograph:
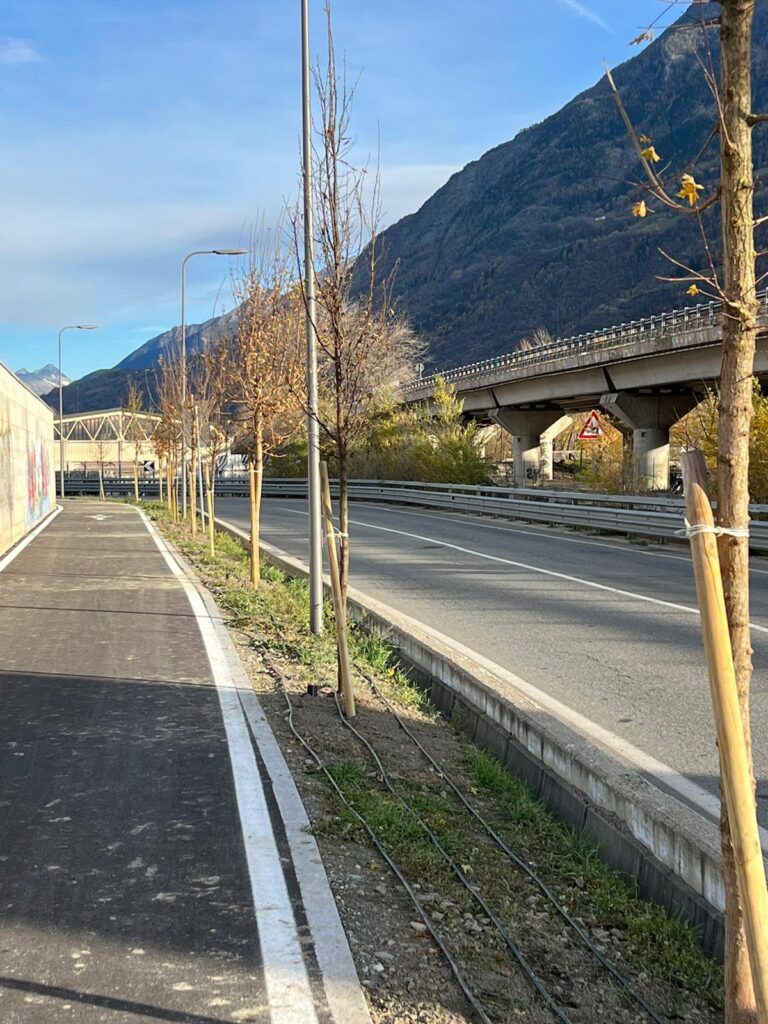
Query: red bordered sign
x,y
593,428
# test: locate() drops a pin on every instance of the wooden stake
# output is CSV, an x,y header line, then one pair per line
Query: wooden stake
x,y
736,781
345,673
211,526
254,511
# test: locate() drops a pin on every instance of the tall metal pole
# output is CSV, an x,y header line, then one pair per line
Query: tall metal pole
x,y
313,430
184,386
61,423
69,327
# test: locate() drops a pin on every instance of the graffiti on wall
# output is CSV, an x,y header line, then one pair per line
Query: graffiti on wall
x,y
6,468
38,480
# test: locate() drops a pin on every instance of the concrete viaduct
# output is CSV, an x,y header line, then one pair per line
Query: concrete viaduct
x,y
646,374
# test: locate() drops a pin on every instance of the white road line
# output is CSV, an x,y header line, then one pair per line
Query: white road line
x,y
531,568
465,518
6,560
285,975
691,792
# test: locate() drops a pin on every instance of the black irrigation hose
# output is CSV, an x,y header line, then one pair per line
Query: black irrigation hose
x,y
522,864
487,910
471,998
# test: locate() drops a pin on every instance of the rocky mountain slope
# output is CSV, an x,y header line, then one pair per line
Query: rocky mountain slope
x,y
538,231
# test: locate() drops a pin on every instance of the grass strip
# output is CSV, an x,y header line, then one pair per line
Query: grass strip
x,y
276,616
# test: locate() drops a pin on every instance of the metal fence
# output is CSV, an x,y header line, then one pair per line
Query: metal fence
x,y
650,516
673,324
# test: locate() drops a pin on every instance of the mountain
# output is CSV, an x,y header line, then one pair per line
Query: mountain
x,y
538,231
108,389
43,380
197,336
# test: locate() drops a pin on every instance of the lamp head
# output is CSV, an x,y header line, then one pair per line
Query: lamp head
x,y
87,327
229,252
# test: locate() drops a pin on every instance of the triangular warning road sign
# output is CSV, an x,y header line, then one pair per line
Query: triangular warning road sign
x,y
593,428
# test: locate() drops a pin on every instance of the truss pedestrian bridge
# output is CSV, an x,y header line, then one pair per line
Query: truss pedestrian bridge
x,y
647,374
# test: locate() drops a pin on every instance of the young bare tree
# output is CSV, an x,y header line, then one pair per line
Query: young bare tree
x,y
365,349
735,285
102,448
167,435
135,432
266,366
211,381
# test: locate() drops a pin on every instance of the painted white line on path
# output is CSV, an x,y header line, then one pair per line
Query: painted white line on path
x,y
285,975
342,987
531,568
544,533
693,794
6,560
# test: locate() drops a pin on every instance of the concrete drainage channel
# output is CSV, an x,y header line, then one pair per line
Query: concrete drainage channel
x,y
644,831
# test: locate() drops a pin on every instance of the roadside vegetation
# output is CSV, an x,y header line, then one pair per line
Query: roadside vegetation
x,y
606,465
433,444
659,954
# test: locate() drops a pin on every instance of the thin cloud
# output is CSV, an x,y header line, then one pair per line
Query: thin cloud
x,y
587,14
17,51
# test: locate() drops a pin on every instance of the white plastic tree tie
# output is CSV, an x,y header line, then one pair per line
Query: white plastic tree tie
x,y
718,531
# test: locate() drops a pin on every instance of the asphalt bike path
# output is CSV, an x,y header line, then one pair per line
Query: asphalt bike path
x,y
155,863
608,628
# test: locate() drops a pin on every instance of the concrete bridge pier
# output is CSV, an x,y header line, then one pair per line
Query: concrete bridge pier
x,y
649,417
533,432
547,447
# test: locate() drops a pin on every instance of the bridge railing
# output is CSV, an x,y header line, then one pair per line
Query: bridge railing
x,y
677,321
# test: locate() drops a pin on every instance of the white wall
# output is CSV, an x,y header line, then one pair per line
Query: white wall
x,y
27,484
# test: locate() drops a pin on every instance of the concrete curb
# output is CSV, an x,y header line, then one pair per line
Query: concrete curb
x,y
652,838
339,979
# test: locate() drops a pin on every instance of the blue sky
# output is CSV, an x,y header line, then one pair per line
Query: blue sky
x,y
134,132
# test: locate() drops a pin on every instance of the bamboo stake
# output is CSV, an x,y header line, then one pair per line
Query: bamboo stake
x,y
254,512
192,492
736,781
199,480
209,498
345,673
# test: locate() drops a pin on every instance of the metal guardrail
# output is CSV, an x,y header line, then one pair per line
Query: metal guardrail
x,y
649,516
674,323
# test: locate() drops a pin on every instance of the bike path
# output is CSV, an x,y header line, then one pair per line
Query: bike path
x,y
154,858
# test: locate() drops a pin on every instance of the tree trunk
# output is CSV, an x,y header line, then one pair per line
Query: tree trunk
x,y
160,479
739,335
344,525
192,490
136,480
211,525
256,476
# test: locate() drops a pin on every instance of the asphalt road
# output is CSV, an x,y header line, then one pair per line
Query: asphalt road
x,y
607,627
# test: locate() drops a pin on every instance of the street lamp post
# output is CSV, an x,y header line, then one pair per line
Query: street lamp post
x,y
313,431
70,327
187,258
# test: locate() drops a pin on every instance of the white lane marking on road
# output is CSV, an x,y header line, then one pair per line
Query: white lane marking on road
x,y
693,794
531,568
285,975
544,533
6,560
